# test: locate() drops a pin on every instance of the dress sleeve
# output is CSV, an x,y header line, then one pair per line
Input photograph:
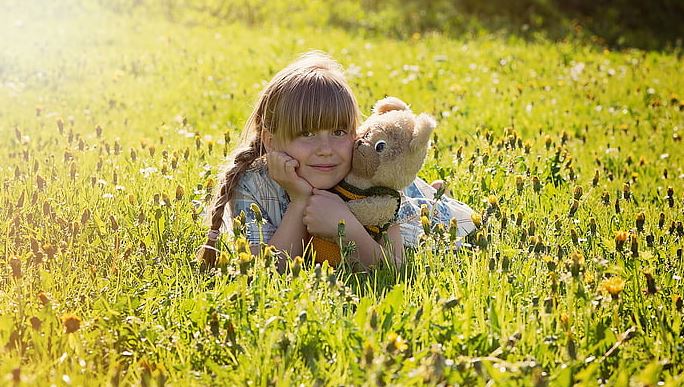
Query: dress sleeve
x,y
246,193
420,193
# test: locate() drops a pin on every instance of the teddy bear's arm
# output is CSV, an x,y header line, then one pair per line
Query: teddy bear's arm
x,y
374,210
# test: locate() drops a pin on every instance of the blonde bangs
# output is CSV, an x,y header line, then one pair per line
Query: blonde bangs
x,y
315,101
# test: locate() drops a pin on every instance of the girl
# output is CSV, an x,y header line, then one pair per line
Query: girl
x,y
298,144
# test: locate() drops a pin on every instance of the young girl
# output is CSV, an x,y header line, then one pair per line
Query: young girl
x,y
299,144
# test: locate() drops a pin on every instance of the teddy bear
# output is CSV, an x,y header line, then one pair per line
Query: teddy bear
x,y
386,157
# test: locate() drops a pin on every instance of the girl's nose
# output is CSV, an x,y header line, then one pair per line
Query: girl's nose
x,y
324,145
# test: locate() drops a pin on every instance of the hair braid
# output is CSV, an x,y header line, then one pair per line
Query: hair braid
x,y
242,160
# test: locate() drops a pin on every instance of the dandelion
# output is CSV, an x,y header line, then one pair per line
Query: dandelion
x,y
613,286
477,219
634,245
573,208
640,220
15,264
425,222
577,192
626,191
395,343
453,229
592,226
493,201
519,184
605,198
536,184
341,229
576,264
677,300
368,354
223,259
257,212
71,323
43,298
36,323
651,287
245,260
297,266
620,238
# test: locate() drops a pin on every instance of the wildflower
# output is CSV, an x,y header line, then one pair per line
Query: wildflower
x,y
620,238
477,219
222,259
661,220
43,298
576,264
71,323
241,245
368,354
651,287
453,229
640,220
395,343
245,260
670,197
613,286
573,208
634,245
605,198
519,184
269,253
297,266
36,323
209,184
595,180
15,264
592,226
536,184
40,183
257,212
677,299
425,222
577,192
424,211
550,263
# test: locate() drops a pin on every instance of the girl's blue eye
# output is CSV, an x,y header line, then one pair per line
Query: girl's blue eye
x,y
340,133
306,134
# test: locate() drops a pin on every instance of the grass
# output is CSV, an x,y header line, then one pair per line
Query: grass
x,y
560,146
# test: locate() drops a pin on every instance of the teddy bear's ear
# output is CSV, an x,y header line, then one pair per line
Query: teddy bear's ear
x,y
425,124
388,104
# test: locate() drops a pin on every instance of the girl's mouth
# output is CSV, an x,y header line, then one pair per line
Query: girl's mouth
x,y
323,167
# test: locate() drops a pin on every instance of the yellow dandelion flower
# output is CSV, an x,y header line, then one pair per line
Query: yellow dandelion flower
x,y
613,286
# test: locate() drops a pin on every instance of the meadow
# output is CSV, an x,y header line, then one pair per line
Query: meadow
x,y
113,126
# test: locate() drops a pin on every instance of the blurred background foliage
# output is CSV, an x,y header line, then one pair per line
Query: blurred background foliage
x,y
651,25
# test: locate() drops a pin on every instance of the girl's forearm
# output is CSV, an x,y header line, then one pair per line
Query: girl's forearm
x,y
369,252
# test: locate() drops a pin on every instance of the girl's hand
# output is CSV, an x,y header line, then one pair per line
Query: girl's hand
x,y
283,169
324,212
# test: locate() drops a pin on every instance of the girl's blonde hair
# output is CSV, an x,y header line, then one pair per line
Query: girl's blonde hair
x,y
308,95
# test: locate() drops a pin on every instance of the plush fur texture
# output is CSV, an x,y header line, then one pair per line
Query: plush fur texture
x,y
390,151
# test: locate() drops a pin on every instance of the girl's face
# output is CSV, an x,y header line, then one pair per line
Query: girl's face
x,y
324,156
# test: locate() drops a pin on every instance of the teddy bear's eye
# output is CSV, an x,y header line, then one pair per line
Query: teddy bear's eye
x,y
380,146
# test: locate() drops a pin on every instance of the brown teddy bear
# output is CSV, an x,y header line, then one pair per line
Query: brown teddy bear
x,y
388,154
